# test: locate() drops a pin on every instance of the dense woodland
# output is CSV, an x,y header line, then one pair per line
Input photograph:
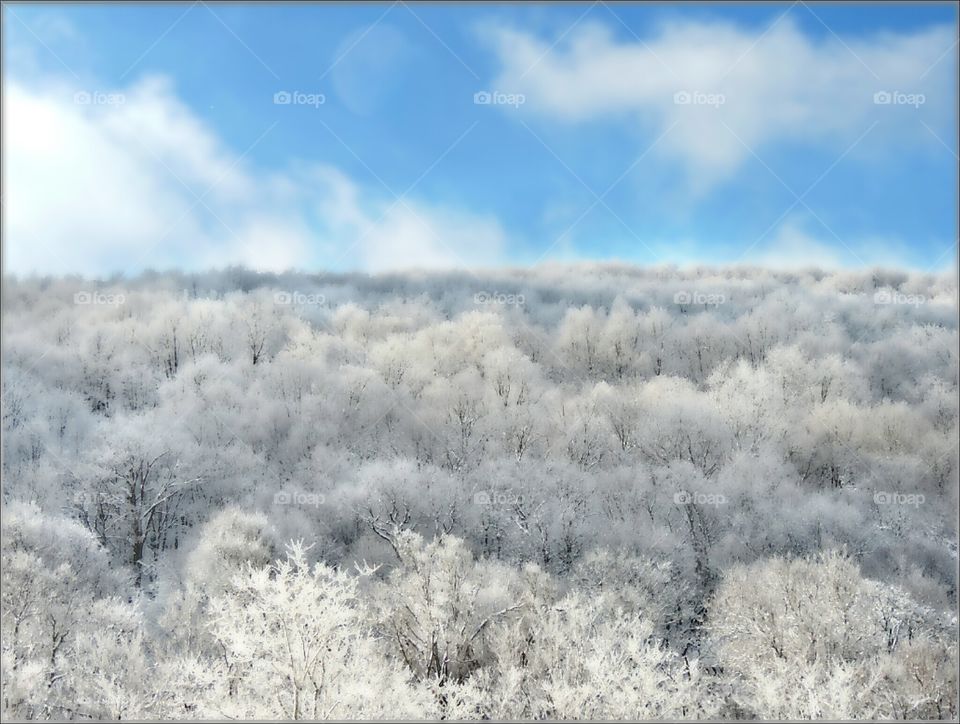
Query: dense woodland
x,y
591,491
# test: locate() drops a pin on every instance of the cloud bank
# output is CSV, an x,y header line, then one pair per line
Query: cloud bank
x,y
716,94
120,179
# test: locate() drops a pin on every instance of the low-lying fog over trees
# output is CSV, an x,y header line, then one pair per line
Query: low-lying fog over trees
x,y
590,491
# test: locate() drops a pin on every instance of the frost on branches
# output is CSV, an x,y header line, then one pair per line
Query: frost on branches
x,y
593,492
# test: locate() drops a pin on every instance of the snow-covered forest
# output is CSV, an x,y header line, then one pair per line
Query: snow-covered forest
x,y
588,491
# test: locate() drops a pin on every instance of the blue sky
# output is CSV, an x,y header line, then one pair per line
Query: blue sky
x,y
149,136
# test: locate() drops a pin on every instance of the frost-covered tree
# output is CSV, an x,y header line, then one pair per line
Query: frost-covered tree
x,y
298,645
439,604
72,647
814,639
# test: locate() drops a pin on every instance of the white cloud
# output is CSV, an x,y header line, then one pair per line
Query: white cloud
x,y
102,187
78,195
412,237
755,88
795,246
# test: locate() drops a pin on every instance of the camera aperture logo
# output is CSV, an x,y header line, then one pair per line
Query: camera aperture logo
x,y
286,497
497,498
498,98
298,299
882,497
298,98
701,298
501,298
698,98
108,299
892,296
898,98
687,497
98,98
